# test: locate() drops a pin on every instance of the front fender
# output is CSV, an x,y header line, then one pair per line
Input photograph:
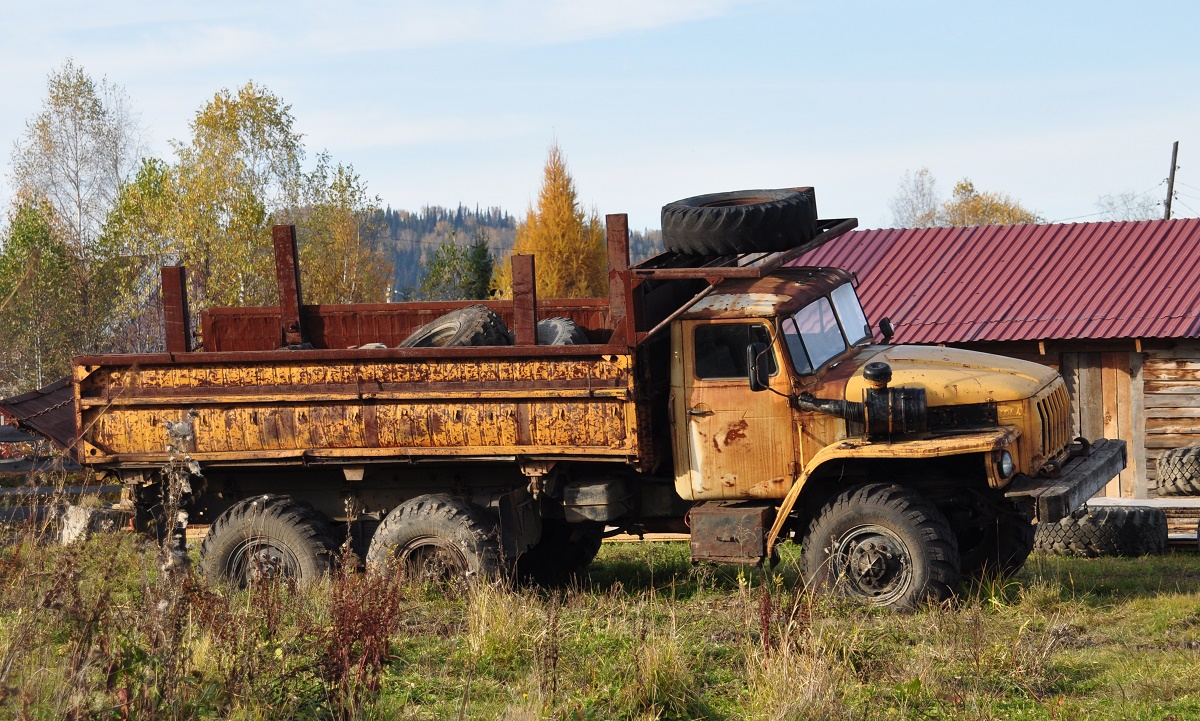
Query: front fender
x,y
947,445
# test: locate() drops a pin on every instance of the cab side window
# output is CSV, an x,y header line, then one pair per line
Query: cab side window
x,y
720,350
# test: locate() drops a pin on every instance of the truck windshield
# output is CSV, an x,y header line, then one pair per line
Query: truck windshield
x,y
850,312
813,336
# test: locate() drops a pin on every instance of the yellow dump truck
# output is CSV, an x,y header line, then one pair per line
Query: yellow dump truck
x,y
717,389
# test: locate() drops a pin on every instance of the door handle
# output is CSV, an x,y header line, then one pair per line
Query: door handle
x,y
699,412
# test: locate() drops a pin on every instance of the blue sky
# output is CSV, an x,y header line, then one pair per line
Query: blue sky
x,y
1055,103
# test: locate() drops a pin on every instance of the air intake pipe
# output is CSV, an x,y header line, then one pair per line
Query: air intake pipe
x,y
883,413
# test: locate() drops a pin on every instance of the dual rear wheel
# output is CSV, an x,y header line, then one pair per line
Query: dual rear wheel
x,y
435,537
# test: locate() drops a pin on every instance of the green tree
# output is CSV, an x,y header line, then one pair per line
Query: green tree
x,y
40,311
137,240
242,163
75,154
342,259
568,245
457,272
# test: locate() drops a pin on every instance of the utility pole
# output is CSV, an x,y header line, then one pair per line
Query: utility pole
x,y
1171,180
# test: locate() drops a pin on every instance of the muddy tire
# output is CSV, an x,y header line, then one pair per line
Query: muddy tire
x,y
268,537
560,331
437,538
1179,472
565,550
884,545
475,325
1105,531
743,221
999,549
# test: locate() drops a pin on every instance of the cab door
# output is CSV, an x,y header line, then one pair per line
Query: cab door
x,y
740,443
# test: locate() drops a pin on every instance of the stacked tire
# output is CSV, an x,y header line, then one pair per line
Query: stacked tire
x,y
1105,531
474,325
1179,472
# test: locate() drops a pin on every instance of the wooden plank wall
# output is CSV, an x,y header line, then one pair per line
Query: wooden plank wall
x,y
1172,403
1105,389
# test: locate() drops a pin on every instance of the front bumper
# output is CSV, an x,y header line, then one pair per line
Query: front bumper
x,y
1089,469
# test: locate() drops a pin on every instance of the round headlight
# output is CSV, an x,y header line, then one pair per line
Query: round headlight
x,y
1006,464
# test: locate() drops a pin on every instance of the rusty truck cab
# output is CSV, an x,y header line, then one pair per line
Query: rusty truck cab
x,y
731,441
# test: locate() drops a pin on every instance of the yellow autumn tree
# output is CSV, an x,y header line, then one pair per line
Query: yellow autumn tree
x,y
968,206
567,243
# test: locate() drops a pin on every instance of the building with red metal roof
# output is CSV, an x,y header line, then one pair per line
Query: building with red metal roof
x,y
1027,282
1115,307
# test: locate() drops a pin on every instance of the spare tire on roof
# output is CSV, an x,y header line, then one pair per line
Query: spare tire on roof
x,y
742,221
475,325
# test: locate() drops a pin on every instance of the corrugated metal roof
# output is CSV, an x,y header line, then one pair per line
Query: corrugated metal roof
x,y
1027,282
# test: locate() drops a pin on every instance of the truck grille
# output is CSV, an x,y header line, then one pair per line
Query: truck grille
x,y
1054,412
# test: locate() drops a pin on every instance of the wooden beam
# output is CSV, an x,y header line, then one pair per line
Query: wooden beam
x,y
524,286
1137,438
287,278
620,280
175,309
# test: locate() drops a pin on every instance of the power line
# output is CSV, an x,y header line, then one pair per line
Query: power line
x,y
1149,190
1187,206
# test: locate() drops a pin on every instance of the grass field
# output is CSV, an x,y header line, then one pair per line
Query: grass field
x,y
102,631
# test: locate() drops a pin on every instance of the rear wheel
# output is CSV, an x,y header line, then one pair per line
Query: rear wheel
x,y
436,538
266,538
884,545
564,550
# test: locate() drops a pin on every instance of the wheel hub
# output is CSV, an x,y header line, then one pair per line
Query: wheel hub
x,y
431,558
259,560
873,563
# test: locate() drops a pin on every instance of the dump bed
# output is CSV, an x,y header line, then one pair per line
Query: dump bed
x,y
362,406
287,384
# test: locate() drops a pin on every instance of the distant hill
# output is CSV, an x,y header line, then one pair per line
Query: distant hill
x,y
411,238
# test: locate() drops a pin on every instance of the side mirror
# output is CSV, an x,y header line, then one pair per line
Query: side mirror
x,y
886,328
758,366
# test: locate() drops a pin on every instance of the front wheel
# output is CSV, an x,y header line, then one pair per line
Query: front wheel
x,y
884,545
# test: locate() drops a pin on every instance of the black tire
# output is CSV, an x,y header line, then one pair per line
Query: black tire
x,y
560,331
1105,531
1179,472
1000,548
901,545
268,537
743,221
564,550
437,537
475,325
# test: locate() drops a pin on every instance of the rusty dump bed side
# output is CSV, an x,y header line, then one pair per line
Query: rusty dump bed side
x,y
344,326
47,411
363,406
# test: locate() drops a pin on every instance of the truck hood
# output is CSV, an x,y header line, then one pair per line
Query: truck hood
x,y
951,376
